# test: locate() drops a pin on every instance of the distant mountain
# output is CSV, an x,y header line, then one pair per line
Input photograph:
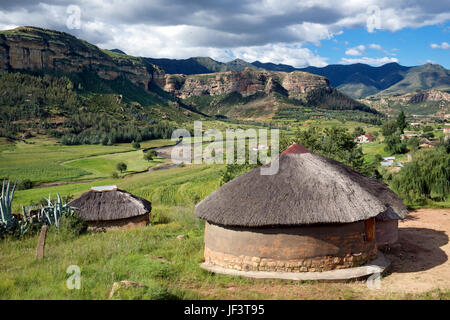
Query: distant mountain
x,y
356,80
117,51
360,80
197,65
425,77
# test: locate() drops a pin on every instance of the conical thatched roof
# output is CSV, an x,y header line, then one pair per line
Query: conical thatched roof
x,y
110,205
307,189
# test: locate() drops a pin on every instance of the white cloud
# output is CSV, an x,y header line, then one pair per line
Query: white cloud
x,y
371,61
294,55
356,51
177,29
375,46
443,45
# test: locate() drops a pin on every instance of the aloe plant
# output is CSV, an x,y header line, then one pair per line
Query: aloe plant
x,y
52,212
7,221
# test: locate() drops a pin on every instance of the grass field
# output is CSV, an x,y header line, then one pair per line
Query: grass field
x,y
152,255
43,159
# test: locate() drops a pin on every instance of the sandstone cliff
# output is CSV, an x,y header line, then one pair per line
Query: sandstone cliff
x,y
36,49
245,82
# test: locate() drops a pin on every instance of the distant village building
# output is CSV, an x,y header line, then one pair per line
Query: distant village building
x,y
315,214
446,130
366,138
409,135
425,143
111,207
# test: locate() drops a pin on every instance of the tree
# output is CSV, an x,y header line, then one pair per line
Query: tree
x,y
401,122
394,144
148,156
136,145
427,176
336,143
121,166
413,143
359,131
388,128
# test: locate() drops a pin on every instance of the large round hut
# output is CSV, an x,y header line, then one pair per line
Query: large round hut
x,y
111,207
315,214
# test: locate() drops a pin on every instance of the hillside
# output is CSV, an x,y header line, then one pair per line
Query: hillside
x,y
54,83
424,104
261,94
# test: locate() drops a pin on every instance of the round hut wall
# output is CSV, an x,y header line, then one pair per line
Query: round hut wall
x,y
294,249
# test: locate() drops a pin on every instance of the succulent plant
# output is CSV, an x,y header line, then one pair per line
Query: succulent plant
x,y
7,220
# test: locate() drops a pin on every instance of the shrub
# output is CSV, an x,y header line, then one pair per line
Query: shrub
x,y
114,175
148,156
160,216
121,166
136,145
72,226
25,184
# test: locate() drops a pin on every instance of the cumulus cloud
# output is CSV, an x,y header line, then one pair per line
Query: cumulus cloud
x,y
356,51
367,60
257,29
443,45
375,46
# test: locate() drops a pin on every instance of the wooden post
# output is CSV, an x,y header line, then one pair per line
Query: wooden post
x,y
370,229
41,243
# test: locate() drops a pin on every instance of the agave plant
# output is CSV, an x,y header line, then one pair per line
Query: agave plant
x,y
52,212
7,220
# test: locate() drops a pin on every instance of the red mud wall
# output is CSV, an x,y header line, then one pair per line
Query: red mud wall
x,y
305,248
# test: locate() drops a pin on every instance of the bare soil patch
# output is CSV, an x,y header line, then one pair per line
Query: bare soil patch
x,y
420,264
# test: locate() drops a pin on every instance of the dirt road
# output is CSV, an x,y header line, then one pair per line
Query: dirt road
x,y
420,261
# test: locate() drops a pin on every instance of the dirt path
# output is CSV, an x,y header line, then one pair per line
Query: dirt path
x,y
420,261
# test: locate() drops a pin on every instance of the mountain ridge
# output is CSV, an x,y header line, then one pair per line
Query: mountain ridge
x,y
356,80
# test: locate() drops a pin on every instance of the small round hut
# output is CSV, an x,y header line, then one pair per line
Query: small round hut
x,y
111,207
315,214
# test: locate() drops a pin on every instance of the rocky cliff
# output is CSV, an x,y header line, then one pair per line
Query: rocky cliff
x,y
36,49
245,82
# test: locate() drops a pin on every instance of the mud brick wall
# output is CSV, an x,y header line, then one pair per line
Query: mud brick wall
x,y
127,223
386,232
296,249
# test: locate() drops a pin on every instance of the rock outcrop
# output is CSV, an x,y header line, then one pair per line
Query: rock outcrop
x,y
36,49
246,82
430,95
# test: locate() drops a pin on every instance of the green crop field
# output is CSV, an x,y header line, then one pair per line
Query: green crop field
x,y
43,159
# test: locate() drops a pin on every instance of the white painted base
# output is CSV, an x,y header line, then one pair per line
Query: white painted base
x,y
378,265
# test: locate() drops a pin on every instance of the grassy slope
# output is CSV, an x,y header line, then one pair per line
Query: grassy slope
x,y
105,258
42,160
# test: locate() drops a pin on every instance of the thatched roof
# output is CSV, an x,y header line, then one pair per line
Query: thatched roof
x,y
307,189
110,205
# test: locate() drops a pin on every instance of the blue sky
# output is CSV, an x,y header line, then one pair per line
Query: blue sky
x,y
294,32
409,46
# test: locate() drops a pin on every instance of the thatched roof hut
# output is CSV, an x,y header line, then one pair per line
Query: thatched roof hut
x,y
314,207
110,206
308,189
